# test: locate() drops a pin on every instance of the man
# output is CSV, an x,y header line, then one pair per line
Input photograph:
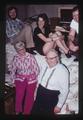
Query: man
x,y
53,86
16,30
74,31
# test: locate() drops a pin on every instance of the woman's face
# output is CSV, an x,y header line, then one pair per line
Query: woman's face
x,y
76,15
41,22
21,52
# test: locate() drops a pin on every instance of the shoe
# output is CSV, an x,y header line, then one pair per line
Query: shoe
x,y
68,55
30,50
76,60
19,113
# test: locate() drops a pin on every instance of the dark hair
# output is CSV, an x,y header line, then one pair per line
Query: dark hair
x,y
11,8
75,8
45,18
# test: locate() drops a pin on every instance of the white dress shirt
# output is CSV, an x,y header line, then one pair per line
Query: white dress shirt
x,y
58,81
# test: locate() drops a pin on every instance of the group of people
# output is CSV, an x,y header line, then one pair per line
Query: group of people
x,y
40,87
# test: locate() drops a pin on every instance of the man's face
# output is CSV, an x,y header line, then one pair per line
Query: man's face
x,y
52,58
12,14
76,15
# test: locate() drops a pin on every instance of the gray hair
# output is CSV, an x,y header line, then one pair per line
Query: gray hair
x,y
19,45
53,50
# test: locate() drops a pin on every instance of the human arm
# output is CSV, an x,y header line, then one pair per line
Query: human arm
x,y
41,35
9,31
34,67
45,39
64,90
71,34
13,69
73,30
13,27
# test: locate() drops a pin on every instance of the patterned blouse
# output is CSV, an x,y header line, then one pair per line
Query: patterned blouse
x,y
24,66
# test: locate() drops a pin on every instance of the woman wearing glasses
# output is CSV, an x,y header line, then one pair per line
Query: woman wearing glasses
x,y
24,71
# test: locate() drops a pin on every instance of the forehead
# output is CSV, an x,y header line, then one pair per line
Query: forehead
x,y
52,54
75,12
12,10
40,19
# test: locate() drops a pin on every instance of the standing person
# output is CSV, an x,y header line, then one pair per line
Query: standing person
x,y
16,30
73,42
24,72
53,86
42,35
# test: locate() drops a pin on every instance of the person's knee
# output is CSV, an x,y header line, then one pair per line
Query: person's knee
x,y
28,27
47,47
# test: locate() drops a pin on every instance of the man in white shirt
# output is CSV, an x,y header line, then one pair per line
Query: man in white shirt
x,y
53,86
73,42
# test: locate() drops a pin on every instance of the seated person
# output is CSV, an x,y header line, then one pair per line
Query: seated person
x,y
41,36
73,42
16,30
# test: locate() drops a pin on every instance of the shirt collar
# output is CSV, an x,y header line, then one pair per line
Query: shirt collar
x,y
53,66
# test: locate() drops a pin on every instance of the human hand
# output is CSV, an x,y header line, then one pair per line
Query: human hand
x,y
71,38
33,76
57,110
49,39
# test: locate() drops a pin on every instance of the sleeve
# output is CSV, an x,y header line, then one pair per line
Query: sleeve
x,y
64,87
21,24
37,31
8,30
13,69
35,66
73,25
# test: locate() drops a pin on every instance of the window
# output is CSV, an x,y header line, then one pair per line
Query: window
x,y
65,13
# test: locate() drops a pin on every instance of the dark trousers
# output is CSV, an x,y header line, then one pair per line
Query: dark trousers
x,y
45,101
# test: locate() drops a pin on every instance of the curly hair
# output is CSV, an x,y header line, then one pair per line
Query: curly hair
x,y
45,18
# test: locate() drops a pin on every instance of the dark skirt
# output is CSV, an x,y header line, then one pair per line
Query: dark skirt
x,y
45,101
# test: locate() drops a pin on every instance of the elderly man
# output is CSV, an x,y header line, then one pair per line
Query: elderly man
x,y
16,30
53,86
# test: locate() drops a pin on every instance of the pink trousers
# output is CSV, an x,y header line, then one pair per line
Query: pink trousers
x,y
24,96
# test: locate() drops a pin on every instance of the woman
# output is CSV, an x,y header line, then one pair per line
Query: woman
x,y
42,35
24,72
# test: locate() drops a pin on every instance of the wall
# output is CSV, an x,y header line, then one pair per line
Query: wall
x,y
25,11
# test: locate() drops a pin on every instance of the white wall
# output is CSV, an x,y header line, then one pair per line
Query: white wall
x,y
50,10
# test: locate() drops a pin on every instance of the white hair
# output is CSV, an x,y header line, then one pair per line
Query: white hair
x,y
19,45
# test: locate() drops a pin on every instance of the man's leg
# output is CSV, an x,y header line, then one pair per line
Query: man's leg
x,y
25,35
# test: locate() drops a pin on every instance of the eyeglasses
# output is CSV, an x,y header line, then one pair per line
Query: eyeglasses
x,y
51,58
20,49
